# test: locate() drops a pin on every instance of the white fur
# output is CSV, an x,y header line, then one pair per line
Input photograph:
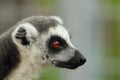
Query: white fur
x,y
30,30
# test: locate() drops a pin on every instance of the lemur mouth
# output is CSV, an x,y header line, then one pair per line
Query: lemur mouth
x,y
69,64
62,64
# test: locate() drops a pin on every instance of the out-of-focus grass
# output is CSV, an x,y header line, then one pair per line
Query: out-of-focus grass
x,y
49,3
112,1
112,42
51,74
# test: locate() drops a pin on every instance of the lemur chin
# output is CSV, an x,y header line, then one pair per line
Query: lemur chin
x,y
33,44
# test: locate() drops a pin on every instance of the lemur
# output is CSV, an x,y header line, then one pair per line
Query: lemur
x,y
33,44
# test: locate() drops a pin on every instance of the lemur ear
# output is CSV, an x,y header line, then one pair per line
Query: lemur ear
x,y
21,34
26,34
58,19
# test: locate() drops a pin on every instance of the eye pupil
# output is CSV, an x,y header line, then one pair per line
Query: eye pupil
x,y
56,44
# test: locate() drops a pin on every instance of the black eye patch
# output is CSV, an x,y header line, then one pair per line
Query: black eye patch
x,y
56,44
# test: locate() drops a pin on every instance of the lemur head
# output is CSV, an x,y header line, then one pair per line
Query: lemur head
x,y
46,42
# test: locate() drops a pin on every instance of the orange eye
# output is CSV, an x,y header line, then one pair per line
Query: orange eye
x,y
56,44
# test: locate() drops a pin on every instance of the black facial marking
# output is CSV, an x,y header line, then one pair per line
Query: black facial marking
x,y
21,30
54,38
25,41
9,57
21,34
47,56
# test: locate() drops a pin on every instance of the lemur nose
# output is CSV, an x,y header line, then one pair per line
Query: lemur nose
x,y
80,57
82,61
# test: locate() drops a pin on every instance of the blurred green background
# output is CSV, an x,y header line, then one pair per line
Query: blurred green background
x,y
94,25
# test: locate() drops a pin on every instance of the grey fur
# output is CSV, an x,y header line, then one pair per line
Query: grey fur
x,y
41,23
9,55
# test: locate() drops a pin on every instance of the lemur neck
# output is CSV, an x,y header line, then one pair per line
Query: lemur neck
x,y
25,71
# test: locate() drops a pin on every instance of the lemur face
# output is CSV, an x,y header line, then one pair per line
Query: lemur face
x,y
61,51
46,42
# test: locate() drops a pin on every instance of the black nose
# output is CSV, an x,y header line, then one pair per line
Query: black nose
x,y
79,58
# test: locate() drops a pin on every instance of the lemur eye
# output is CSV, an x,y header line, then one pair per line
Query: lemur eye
x,y
56,44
